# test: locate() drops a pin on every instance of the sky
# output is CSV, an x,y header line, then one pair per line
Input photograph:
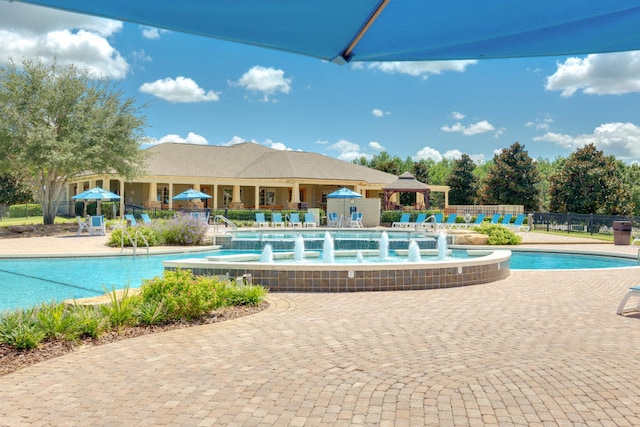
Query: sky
x,y
200,90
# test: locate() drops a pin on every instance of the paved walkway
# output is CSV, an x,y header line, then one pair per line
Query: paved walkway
x,y
539,348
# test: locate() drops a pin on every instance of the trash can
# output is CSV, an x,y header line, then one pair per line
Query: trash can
x,y
621,232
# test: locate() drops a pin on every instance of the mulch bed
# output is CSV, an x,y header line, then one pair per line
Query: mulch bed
x,y
12,360
11,232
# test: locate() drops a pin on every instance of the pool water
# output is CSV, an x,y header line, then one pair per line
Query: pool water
x,y
25,282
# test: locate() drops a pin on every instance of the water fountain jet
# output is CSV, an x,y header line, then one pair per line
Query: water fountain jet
x,y
267,254
384,245
442,246
298,250
414,251
328,249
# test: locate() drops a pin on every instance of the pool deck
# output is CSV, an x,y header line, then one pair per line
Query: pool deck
x,y
539,348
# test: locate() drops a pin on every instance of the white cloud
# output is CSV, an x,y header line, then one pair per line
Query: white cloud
x,y
598,74
181,89
379,113
268,143
265,80
152,33
235,140
431,153
28,31
458,116
619,139
192,138
376,146
427,153
452,154
541,124
473,129
348,150
420,68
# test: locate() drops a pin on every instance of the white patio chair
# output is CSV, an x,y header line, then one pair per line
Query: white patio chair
x,y
82,225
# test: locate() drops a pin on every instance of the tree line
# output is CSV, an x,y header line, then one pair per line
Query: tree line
x,y
585,182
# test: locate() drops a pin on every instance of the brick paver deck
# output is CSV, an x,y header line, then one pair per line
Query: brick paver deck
x,y
539,348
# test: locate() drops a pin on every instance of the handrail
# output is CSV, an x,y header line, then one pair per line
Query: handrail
x,y
134,243
222,219
144,239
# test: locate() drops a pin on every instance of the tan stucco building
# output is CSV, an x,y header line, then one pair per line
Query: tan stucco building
x,y
246,175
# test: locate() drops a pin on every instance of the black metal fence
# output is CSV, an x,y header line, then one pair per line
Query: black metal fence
x,y
591,223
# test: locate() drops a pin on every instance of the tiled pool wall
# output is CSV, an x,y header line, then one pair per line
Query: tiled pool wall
x,y
358,277
229,242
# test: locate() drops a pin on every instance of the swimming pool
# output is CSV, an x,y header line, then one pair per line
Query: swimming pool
x,y
25,282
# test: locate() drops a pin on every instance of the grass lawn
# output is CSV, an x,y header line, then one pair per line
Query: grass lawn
x,y
605,237
32,220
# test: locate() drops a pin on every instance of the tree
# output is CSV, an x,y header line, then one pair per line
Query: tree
x,y
13,190
590,182
512,179
547,169
59,121
462,181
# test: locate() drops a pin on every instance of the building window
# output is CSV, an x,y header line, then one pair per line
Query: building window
x,y
267,197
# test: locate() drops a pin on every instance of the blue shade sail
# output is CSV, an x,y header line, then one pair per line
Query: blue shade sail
x,y
391,30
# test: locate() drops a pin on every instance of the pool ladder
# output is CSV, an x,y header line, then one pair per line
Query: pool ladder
x,y
221,219
134,242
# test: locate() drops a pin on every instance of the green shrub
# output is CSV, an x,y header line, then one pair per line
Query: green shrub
x,y
23,211
150,312
183,296
183,230
245,294
119,311
56,321
20,329
498,234
88,321
153,235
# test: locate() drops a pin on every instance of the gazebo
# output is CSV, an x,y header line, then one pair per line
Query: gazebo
x,y
406,183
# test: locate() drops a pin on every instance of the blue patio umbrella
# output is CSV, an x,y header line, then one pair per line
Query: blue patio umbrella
x,y
191,194
344,193
384,30
98,194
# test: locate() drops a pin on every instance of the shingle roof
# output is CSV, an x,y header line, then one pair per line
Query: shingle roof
x,y
406,182
253,161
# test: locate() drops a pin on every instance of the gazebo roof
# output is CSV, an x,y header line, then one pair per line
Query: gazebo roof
x,y
406,183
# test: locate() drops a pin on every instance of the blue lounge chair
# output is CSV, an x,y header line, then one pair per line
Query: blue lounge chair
x,y
404,221
419,220
145,218
356,220
333,220
294,220
495,218
309,220
506,220
518,224
131,219
97,226
633,292
260,220
451,221
432,222
276,220
478,221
